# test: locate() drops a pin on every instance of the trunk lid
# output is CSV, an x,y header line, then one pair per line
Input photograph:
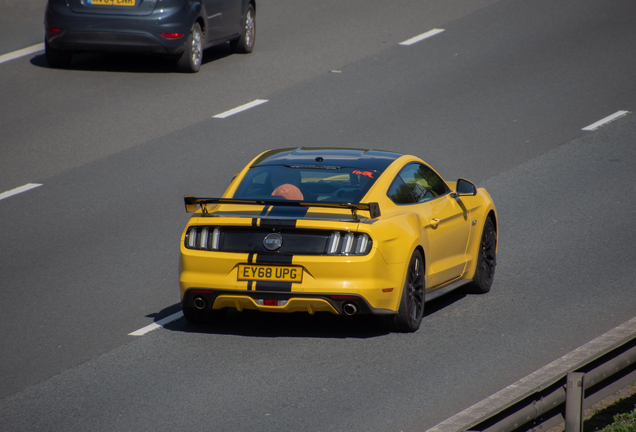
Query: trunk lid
x,y
113,7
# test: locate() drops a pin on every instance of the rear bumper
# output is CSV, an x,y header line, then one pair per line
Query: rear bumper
x,y
369,278
112,41
85,32
208,299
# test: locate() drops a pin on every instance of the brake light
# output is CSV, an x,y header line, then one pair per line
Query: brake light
x,y
53,30
203,238
200,291
172,35
334,240
216,235
348,243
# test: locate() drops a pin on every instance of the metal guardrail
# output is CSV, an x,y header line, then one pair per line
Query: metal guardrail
x,y
558,392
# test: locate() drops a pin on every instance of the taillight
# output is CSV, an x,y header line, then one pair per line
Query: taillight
x,y
334,242
172,35
53,30
203,238
348,243
363,243
216,238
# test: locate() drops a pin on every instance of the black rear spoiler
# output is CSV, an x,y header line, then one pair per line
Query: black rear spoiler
x,y
192,203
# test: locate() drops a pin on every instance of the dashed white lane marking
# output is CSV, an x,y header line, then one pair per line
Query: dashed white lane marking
x,y
604,121
241,108
18,190
156,325
421,37
21,53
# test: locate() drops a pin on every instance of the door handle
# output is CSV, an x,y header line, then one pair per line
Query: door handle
x,y
434,222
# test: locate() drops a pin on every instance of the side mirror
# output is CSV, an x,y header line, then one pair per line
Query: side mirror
x,y
465,188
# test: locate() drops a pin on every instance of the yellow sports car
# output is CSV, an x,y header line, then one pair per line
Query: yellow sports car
x,y
344,231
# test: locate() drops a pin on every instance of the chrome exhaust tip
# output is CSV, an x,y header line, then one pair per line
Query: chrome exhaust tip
x,y
200,303
349,308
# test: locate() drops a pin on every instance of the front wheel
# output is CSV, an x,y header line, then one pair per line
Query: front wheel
x,y
486,260
190,60
245,43
411,308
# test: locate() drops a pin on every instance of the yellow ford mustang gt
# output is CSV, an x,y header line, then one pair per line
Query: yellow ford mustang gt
x,y
343,231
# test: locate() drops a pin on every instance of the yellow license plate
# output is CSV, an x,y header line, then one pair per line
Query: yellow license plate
x,y
111,2
270,273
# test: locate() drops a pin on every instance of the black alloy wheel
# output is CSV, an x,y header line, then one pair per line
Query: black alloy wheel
x,y
411,308
245,43
486,260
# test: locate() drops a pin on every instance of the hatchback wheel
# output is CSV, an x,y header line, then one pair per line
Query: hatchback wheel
x,y
190,60
245,43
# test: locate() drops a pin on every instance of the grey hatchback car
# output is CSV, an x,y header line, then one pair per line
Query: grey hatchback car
x,y
180,29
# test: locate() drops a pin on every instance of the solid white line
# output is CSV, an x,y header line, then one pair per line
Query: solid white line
x,y
156,325
421,37
241,108
18,190
604,121
21,53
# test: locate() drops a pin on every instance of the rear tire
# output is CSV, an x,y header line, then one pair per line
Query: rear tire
x,y
56,58
411,308
190,60
486,261
245,43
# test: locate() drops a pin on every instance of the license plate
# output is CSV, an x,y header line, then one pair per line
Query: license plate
x,y
111,2
270,273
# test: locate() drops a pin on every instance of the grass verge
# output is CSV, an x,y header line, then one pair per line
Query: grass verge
x,y
617,417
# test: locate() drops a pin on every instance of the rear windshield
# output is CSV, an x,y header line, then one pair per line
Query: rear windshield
x,y
325,184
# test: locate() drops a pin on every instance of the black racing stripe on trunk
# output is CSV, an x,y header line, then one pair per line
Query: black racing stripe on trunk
x,y
250,258
274,286
273,259
286,212
250,285
278,223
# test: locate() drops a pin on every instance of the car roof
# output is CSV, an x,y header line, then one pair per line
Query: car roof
x,y
373,160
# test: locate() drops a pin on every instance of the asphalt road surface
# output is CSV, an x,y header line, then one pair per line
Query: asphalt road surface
x,y
500,97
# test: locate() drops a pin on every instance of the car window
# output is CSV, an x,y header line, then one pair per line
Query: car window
x,y
400,193
418,181
306,183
